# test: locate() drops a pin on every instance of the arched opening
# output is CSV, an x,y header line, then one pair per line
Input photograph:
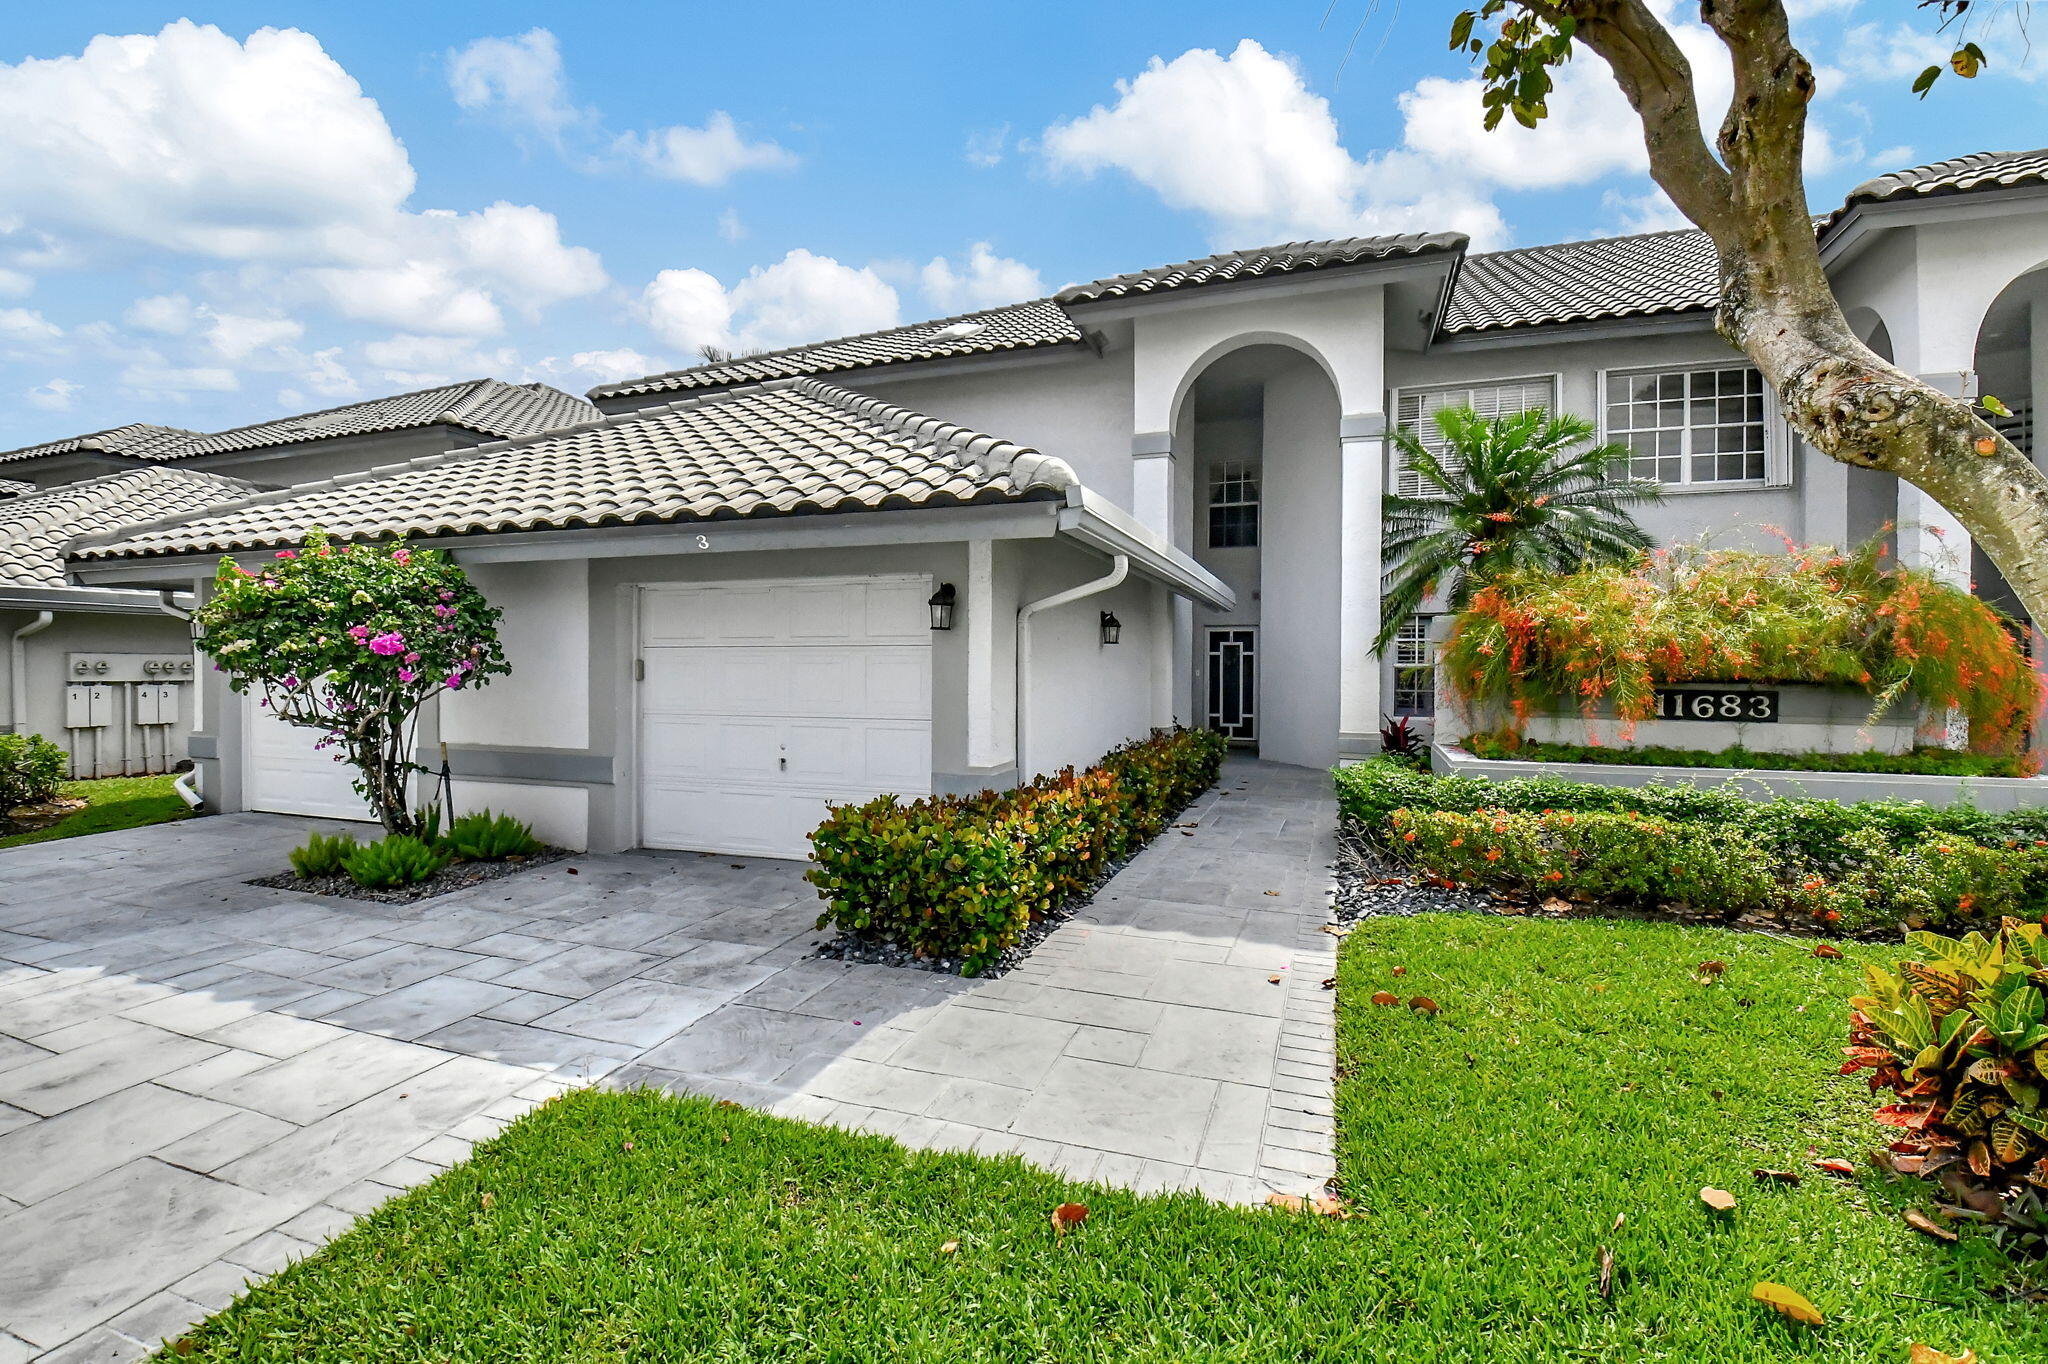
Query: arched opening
x,y
1261,508
1873,494
2012,366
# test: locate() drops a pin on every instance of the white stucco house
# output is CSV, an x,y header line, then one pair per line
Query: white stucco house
x,y
938,557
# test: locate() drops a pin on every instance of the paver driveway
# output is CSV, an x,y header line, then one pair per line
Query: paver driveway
x,y
201,1079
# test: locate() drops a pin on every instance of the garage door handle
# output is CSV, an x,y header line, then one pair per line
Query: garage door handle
x,y
783,763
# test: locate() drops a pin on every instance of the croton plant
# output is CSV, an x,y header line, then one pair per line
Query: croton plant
x,y
1961,1039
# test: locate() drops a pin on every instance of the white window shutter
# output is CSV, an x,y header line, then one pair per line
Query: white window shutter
x,y
1414,408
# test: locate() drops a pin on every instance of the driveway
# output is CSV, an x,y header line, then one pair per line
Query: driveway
x,y
201,1080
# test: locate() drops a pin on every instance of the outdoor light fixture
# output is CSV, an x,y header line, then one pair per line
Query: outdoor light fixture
x,y
941,604
1112,628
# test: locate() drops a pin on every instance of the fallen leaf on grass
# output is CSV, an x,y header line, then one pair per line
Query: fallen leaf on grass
x,y
1553,905
949,1247
1927,1226
1422,1004
486,1199
1720,1200
1067,1216
625,1146
1322,1204
1605,1286
1834,1165
725,1105
1927,1354
1713,970
1786,1300
1399,971
1775,1176
1826,950
1334,930
1385,997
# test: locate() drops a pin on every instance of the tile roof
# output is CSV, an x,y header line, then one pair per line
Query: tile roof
x,y
1021,326
1270,260
1958,175
36,530
490,407
783,448
1662,272
139,440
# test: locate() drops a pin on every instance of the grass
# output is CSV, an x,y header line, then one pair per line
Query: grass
x,y
1578,1072
111,803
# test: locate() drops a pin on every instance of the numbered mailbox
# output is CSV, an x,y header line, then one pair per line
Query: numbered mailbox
x,y
1726,705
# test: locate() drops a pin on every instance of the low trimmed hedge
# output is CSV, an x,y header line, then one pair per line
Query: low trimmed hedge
x,y
1858,867
1921,762
31,769
963,876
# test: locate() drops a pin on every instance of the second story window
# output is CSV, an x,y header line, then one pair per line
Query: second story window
x,y
1233,505
1690,427
1415,409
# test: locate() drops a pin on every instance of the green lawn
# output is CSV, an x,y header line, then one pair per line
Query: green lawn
x,y
113,803
1488,1151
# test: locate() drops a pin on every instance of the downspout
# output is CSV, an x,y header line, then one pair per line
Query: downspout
x,y
17,670
1119,569
187,783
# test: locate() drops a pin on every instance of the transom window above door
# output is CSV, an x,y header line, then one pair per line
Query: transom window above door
x,y
1233,505
1414,410
1691,427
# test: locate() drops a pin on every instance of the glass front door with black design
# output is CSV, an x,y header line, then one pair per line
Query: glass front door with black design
x,y
1233,690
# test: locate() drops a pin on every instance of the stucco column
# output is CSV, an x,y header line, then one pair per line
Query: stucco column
x,y
1930,537
1363,444
1152,480
989,744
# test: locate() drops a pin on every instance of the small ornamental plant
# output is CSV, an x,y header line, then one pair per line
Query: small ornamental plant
x,y
352,640
1960,1038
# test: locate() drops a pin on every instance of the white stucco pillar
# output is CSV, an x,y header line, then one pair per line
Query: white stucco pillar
x,y
2037,373
1930,537
989,744
1363,444
1152,480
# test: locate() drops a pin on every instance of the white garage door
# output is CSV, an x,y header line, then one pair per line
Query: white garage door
x,y
762,701
283,773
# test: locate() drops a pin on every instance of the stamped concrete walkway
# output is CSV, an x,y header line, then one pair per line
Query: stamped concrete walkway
x,y
201,1080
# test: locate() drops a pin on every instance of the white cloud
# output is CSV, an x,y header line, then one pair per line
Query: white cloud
x,y
235,336
730,227
1243,140
15,283
986,281
1651,211
986,147
1814,9
324,373
264,154
710,155
587,368
1895,52
167,314
55,396
416,361
1893,158
176,381
27,327
802,297
518,80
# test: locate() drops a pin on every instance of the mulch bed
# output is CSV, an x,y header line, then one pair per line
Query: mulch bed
x,y
455,876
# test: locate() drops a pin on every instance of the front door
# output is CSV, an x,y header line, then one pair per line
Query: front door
x,y
1233,676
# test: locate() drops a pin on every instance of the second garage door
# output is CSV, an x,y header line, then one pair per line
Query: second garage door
x,y
284,773
763,701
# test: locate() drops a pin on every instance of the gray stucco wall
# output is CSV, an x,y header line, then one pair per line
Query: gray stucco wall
x,y
81,632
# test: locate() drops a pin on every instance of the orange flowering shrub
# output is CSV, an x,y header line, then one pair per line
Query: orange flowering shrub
x,y
1615,633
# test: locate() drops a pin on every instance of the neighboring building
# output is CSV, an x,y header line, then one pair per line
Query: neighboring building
x,y
709,594
109,674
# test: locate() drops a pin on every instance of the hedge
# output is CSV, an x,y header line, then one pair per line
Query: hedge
x,y
1925,762
31,768
964,876
1858,867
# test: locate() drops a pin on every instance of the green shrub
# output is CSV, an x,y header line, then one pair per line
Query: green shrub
x,y
393,861
1858,866
963,876
31,769
1621,859
322,854
1929,762
1958,1038
485,837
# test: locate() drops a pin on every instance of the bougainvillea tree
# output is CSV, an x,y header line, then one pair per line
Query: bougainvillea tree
x,y
352,640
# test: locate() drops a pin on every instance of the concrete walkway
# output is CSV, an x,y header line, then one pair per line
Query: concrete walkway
x,y
201,1080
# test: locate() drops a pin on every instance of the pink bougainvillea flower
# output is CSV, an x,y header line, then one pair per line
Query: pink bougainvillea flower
x,y
291,679
358,632
406,674
455,681
401,555
447,595
410,658
444,611
388,644
287,554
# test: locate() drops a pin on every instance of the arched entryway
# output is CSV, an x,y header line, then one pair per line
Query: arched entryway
x,y
1261,506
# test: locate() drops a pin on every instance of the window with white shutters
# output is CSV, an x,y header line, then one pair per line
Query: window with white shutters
x,y
1414,409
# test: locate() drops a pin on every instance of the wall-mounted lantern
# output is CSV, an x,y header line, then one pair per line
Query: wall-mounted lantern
x,y
1112,628
941,603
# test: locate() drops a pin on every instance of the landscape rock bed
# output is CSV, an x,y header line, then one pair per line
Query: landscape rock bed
x,y
455,876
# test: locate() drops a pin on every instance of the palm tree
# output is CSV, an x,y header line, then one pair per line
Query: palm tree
x,y
1523,491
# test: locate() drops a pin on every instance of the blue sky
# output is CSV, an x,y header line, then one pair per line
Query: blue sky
x,y
226,212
